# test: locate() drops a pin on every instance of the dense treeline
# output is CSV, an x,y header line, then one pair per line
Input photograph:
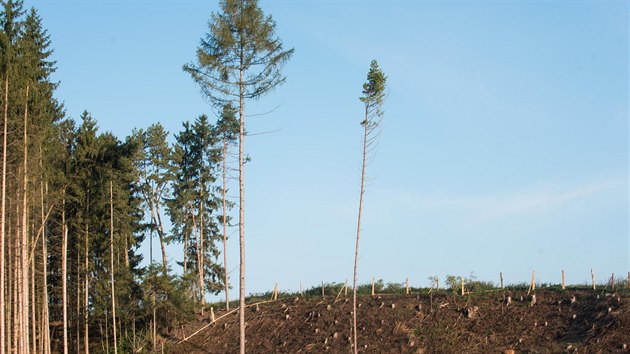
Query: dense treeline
x,y
77,203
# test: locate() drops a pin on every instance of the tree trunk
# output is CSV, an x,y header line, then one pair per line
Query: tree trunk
x,y
33,312
225,264
154,327
200,256
3,318
42,339
161,234
64,274
241,212
157,224
45,345
126,249
106,332
185,249
78,302
24,244
10,293
86,312
111,261
356,251
133,331
194,231
17,305
15,285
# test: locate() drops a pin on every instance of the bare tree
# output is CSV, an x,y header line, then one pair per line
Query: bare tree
x,y
2,217
111,261
64,273
86,268
24,312
45,332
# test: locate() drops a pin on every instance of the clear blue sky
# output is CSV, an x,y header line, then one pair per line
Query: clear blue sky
x,y
504,145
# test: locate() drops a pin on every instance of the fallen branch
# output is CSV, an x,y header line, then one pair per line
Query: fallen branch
x,y
339,294
220,317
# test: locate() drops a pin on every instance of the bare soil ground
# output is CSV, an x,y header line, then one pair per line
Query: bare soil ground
x,y
479,323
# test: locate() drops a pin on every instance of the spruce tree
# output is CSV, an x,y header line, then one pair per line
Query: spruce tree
x,y
41,113
194,204
29,115
156,179
178,204
240,58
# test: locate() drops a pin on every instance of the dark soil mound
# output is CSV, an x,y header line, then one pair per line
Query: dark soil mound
x,y
569,321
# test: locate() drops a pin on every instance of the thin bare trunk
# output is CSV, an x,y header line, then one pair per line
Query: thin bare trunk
x,y
161,234
33,312
133,331
154,322
185,253
10,295
106,333
194,230
15,284
19,324
86,312
25,263
78,303
2,219
157,222
111,260
241,212
356,252
45,311
42,311
45,334
126,252
16,287
200,256
225,264
64,274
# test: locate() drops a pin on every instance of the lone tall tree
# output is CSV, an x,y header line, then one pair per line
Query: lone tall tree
x,y
373,98
239,58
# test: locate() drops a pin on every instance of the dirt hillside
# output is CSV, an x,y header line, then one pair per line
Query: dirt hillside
x,y
579,321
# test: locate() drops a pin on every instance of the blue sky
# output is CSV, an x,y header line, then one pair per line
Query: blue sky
x,y
504,145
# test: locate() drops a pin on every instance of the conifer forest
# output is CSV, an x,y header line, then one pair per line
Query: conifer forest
x,y
77,203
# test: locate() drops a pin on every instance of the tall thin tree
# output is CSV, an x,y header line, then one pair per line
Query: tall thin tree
x,y
373,99
2,216
10,31
64,273
86,268
24,244
240,58
111,261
